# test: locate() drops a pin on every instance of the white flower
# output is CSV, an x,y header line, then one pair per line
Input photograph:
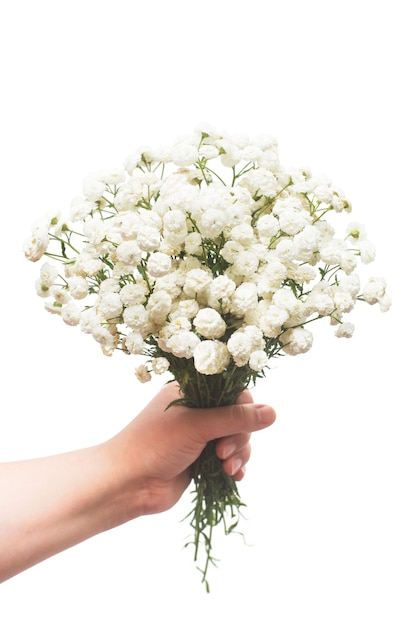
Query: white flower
x,y
296,341
240,211
212,223
36,245
113,176
374,290
134,293
104,337
265,142
211,357
207,239
346,329
292,221
230,155
261,182
48,274
71,314
158,264
272,320
285,299
142,373
41,289
175,227
356,231
246,264
348,261
323,194
285,249
339,203
149,238
139,189
109,306
109,285
134,342
128,225
187,308
367,251
80,208
128,252
177,323
385,303
197,281
60,294
171,283
301,273
258,360
267,226
88,265
209,152
159,306
306,243
193,243
136,317
231,250
183,344
256,336
220,292
343,300
331,253
240,346
137,158
93,187
320,302
160,365
95,230
53,307
298,314
244,298
209,324
89,320
242,234
184,154
78,287
351,284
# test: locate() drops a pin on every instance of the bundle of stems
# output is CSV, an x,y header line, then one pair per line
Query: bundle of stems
x,y
216,501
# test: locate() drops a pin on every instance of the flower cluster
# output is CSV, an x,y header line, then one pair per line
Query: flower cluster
x,y
208,258
209,251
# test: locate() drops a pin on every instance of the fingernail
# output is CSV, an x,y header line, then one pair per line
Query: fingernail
x,y
265,413
229,450
235,466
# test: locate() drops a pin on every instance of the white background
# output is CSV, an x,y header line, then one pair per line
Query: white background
x,y
332,486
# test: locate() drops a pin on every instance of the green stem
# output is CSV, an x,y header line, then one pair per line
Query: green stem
x,y
216,497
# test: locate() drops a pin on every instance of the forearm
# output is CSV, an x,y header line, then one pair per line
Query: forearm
x,y
50,504
53,503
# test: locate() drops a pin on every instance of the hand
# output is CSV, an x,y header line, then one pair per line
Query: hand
x,y
154,453
50,504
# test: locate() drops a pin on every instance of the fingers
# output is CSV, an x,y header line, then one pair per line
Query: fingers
x,y
215,423
232,424
235,452
229,446
235,449
239,418
244,397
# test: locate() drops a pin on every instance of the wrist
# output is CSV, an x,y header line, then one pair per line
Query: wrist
x,y
123,487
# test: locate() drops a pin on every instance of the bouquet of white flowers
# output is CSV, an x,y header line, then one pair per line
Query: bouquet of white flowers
x,y
209,259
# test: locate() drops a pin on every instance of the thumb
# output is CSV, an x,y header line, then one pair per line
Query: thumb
x,y
230,420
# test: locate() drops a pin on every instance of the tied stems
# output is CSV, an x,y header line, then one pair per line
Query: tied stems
x,y
216,498
216,502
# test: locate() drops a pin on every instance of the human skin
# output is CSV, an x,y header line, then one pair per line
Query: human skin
x,y
50,504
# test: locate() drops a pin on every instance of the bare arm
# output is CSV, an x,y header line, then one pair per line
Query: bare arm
x,y
50,504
